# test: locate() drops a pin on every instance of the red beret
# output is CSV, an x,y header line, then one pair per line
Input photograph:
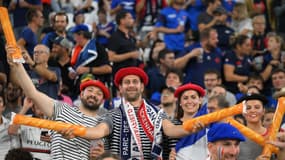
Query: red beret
x,y
130,71
189,86
98,84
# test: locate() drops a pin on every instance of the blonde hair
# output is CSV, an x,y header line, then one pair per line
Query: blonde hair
x,y
242,10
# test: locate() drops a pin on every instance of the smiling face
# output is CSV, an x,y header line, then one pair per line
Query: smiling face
x,y
190,102
131,88
254,111
92,97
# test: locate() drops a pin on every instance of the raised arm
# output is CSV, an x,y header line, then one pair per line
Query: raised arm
x,y
21,77
114,57
181,62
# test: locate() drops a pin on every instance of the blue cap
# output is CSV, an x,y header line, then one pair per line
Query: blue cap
x,y
223,131
155,98
80,27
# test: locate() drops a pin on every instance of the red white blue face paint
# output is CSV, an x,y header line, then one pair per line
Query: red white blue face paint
x,y
220,152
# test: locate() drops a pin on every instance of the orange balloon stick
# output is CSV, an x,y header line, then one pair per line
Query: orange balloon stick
x,y
9,35
47,124
214,117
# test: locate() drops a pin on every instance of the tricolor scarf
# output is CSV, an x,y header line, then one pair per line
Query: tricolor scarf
x,y
194,146
150,120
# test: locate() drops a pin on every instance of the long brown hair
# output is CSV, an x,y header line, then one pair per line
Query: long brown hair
x,y
180,112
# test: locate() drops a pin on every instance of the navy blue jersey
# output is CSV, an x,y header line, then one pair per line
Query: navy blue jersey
x,y
196,68
242,67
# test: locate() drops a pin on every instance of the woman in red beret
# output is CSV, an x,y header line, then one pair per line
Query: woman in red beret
x,y
193,146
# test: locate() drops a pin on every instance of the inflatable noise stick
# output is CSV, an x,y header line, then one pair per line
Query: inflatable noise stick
x,y
215,116
47,124
250,134
274,128
9,35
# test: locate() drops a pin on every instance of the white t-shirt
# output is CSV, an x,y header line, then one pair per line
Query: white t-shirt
x,y
30,138
7,141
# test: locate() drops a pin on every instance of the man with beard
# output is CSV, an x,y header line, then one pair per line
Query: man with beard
x,y
200,57
60,24
60,57
135,126
92,96
13,94
123,51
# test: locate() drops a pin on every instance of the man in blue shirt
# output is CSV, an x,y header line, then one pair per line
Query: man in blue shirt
x,y
174,22
28,38
60,24
45,78
19,9
200,57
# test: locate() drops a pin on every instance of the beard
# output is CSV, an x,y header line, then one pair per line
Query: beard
x,y
92,106
132,97
210,47
12,97
167,104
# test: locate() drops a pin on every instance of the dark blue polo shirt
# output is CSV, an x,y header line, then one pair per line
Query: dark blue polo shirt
x,y
242,67
195,69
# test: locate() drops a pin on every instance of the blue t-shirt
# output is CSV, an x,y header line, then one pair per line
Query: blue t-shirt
x,y
50,37
128,5
109,28
31,39
157,80
172,18
229,4
242,67
195,68
49,88
194,12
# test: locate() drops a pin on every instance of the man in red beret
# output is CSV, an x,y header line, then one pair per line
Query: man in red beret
x,y
135,127
92,96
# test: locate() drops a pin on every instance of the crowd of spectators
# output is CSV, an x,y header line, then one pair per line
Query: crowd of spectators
x,y
229,48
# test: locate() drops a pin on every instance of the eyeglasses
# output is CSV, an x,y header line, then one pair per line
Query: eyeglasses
x,y
210,79
40,52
